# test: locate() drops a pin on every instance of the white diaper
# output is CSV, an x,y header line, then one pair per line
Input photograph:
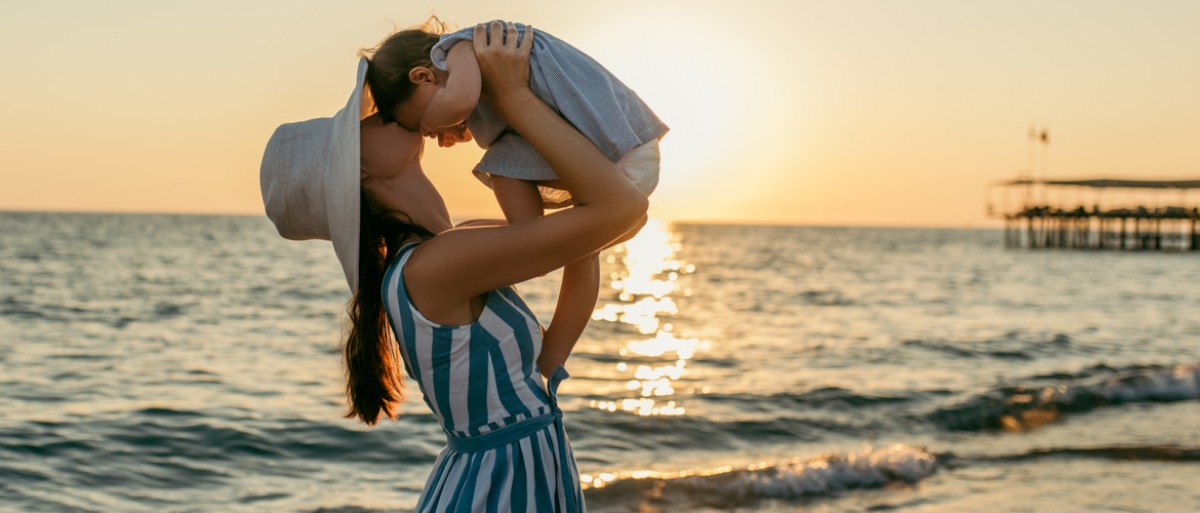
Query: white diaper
x,y
641,166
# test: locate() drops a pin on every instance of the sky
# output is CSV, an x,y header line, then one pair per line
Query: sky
x,y
801,112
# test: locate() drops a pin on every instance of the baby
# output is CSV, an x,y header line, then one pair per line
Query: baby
x,y
430,83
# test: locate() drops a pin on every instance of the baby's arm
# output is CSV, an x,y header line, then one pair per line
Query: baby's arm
x,y
452,104
576,303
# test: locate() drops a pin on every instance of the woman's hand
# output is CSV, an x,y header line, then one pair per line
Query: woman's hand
x,y
503,63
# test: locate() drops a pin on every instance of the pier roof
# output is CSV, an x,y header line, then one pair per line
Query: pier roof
x,y
1114,183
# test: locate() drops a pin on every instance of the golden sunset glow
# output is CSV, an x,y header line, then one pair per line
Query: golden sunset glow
x,y
865,112
644,289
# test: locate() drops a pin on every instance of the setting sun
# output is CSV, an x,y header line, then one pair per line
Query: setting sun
x,y
782,113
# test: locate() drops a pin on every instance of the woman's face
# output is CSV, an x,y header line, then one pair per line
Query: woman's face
x,y
392,178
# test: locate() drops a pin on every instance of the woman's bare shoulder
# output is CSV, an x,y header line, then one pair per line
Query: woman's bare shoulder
x,y
433,276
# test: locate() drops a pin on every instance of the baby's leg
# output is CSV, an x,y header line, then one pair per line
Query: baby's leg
x,y
519,199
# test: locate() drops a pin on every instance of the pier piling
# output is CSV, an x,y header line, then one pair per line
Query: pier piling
x,y
1042,225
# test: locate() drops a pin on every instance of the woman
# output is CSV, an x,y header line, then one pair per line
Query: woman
x,y
461,331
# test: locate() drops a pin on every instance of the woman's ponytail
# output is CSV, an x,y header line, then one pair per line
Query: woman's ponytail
x,y
374,382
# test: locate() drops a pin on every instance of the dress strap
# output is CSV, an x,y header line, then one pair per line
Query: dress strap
x,y
565,467
407,246
556,379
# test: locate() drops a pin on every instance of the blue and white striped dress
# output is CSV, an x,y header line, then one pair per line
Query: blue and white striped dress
x,y
506,447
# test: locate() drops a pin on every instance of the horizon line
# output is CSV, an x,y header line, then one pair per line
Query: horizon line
x,y
680,221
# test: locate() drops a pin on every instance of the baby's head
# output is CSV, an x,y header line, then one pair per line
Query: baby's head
x,y
400,70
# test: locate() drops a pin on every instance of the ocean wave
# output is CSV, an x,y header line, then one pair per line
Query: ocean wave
x,y
823,476
654,433
823,298
825,397
149,435
1044,399
733,421
1120,453
1011,346
830,397
826,476
355,509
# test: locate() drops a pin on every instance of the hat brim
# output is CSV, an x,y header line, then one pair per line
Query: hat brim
x,y
342,186
310,179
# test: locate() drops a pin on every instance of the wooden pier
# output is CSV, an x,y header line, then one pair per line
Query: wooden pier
x,y
1038,224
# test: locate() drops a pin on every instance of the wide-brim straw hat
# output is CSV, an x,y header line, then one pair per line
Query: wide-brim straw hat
x,y
310,179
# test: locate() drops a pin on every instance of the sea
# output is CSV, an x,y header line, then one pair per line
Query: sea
x,y
182,363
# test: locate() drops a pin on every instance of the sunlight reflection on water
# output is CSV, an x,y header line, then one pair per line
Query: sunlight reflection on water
x,y
644,288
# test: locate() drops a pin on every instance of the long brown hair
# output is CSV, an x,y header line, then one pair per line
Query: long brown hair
x,y
374,381
392,59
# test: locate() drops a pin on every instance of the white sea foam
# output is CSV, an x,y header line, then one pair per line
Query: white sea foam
x,y
819,476
823,475
1180,382
1024,407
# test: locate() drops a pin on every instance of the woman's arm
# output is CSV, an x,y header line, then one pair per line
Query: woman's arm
x,y
460,264
452,103
476,223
